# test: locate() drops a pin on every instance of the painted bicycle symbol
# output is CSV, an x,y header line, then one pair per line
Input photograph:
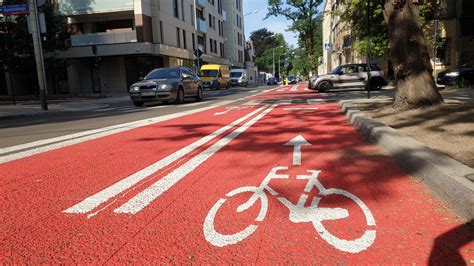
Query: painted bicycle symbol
x,y
298,213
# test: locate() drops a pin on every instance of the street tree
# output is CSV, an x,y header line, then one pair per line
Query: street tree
x,y
397,32
265,43
409,56
304,17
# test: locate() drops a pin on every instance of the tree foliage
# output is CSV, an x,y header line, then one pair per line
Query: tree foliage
x,y
304,17
265,42
17,43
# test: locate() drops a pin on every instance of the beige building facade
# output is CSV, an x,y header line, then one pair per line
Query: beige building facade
x,y
114,43
234,33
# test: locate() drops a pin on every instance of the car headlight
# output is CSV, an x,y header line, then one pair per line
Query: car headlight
x,y
134,89
452,74
164,87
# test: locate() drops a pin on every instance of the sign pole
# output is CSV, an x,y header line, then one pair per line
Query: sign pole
x,y
35,30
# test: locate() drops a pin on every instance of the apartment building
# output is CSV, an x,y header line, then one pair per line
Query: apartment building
x,y
234,33
450,24
114,42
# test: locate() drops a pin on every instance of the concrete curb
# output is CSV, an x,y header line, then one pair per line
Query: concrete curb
x,y
449,179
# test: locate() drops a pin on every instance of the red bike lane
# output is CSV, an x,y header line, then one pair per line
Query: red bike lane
x,y
366,209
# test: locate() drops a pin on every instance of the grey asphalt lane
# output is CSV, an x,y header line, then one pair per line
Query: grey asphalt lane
x,y
22,130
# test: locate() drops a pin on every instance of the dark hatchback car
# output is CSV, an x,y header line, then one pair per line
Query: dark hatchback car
x,y
167,85
461,77
292,80
272,81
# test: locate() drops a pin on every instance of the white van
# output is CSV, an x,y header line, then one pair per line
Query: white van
x,y
238,77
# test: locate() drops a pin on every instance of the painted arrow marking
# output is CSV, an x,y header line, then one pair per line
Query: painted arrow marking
x,y
297,142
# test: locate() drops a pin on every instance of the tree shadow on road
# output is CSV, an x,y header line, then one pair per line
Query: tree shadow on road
x,y
446,246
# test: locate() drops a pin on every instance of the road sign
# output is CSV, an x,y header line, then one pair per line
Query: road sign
x,y
287,62
327,46
198,53
9,10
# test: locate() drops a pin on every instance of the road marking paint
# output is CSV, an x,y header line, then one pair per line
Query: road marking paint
x,y
294,88
103,196
228,109
144,198
41,146
300,108
297,142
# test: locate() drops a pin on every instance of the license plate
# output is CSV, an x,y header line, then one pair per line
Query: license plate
x,y
148,93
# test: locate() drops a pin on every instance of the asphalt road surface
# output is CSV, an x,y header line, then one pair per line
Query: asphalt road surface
x,y
276,176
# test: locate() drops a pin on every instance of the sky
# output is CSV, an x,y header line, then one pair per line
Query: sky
x,y
256,21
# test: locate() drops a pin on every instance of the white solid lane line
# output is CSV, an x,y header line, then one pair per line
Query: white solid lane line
x,y
41,146
300,108
103,196
144,198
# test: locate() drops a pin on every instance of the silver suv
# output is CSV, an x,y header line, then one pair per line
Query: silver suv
x,y
350,76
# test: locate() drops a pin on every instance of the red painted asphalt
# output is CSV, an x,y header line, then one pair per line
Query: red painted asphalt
x,y
411,225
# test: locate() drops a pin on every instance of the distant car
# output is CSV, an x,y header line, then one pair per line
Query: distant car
x,y
292,80
460,77
272,81
350,76
167,85
238,77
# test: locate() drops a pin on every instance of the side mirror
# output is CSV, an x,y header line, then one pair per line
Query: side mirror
x,y
141,78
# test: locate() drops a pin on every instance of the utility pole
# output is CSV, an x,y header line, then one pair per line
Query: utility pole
x,y
35,30
368,50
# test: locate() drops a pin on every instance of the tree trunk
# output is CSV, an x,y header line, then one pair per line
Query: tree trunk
x,y
409,55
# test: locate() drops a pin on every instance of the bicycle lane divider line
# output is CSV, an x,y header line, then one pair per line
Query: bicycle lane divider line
x,y
94,201
144,198
36,147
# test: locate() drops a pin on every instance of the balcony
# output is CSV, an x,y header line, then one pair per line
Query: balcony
x,y
201,3
224,15
201,25
80,7
104,38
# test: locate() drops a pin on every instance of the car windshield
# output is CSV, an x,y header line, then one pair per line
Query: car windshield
x,y
236,74
336,70
169,73
209,73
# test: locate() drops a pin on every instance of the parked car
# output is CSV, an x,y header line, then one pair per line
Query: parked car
x,y
238,77
292,80
167,85
215,76
272,81
349,76
460,77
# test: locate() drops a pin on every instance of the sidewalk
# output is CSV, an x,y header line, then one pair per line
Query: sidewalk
x,y
428,143
33,108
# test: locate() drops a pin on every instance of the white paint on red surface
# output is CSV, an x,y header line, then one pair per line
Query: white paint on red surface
x,y
300,108
298,213
144,198
103,196
297,142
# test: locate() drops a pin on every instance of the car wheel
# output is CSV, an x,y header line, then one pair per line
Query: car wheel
x,y
180,96
324,86
199,95
376,84
460,82
138,104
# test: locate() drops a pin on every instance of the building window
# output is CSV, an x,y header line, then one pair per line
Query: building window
x,y
192,14
210,21
443,50
178,39
161,32
182,10
194,41
175,9
185,45
222,50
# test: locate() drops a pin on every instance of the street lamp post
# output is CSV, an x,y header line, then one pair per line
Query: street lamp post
x,y
281,46
368,49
